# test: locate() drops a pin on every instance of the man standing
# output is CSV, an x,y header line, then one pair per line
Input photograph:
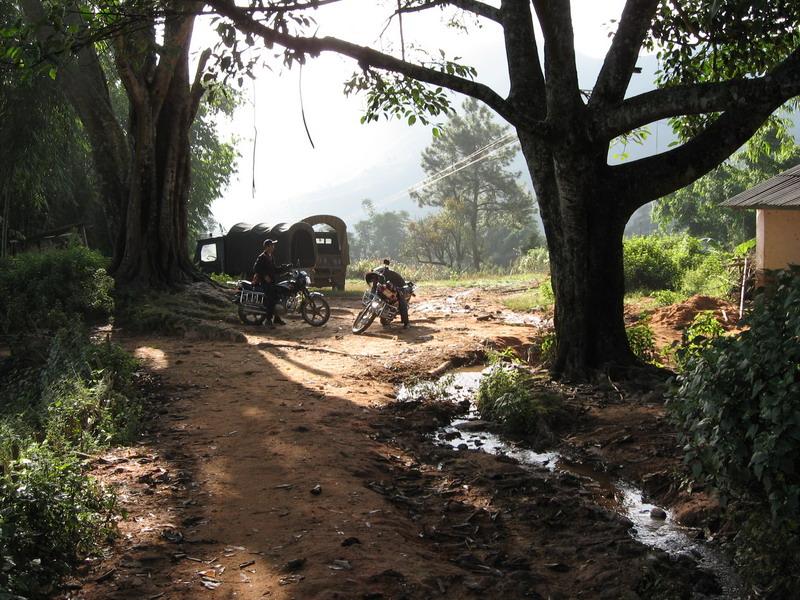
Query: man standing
x,y
397,282
265,274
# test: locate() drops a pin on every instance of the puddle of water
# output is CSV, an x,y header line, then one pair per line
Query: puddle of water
x,y
620,496
450,305
515,318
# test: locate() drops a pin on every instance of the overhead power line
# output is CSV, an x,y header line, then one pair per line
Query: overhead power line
x,y
482,153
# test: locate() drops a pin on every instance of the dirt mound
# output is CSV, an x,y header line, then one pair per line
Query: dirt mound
x,y
679,316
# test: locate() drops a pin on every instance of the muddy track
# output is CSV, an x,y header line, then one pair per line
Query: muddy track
x,y
283,468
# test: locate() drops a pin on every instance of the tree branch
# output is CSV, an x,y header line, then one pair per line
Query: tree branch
x,y
177,33
479,8
561,73
367,57
621,58
647,179
198,89
781,84
137,92
522,55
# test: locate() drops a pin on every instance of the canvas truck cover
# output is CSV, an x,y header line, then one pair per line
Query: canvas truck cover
x,y
236,251
333,250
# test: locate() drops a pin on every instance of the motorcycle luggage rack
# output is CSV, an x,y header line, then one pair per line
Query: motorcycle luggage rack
x,y
250,297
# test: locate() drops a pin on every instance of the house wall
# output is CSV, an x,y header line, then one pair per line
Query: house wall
x,y
778,238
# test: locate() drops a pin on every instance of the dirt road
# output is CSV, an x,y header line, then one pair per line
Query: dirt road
x,y
283,468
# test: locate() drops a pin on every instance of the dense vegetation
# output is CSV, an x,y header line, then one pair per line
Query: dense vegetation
x,y
62,395
679,263
736,404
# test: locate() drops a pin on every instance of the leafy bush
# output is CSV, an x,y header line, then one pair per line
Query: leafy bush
x,y
506,395
648,265
766,555
48,289
642,341
736,404
703,329
535,260
710,277
668,297
79,396
657,262
50,515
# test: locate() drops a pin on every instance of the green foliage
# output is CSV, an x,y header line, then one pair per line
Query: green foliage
x,y
539,298
710,277
381,234
736,405
51,514
642,341
667,297
697,208
535,260
766,554
649,265
50,289
507,396
76,396
394,96
675,263
701,331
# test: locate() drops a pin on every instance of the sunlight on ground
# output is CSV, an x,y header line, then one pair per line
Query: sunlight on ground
x,y
152,357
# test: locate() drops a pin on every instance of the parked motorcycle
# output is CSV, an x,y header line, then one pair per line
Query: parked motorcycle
x,y
291,295
382,303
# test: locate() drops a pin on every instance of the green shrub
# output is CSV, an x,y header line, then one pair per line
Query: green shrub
x,y
701,331
50,516
710,277
736,404
766,555
45,291
648,265
656,262
535,260
668,297
642,341
506,395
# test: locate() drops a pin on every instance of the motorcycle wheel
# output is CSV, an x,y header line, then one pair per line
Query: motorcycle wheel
x,y
250,318
363,320
316,310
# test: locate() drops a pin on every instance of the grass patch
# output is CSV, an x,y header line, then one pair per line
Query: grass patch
x,y
540,298
508,396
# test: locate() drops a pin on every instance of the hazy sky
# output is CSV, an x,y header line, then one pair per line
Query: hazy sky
x,y
352,161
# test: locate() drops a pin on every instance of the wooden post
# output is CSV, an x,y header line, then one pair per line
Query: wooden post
x,y
744,283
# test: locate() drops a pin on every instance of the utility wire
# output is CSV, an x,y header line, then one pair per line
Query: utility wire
x,y
482,153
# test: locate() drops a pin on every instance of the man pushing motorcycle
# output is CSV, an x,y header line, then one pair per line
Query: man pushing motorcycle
x,y
265,275
397,282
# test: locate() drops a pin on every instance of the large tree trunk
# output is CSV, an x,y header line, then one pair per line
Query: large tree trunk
x,y
584,230
146,178
155,251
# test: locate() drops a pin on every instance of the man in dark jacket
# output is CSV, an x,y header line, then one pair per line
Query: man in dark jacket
x,y
265,275
397,282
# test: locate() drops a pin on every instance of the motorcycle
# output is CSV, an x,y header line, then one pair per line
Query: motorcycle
x,y
381,302
291,295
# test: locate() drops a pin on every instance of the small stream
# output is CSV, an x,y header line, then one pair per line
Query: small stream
x,y
653,526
